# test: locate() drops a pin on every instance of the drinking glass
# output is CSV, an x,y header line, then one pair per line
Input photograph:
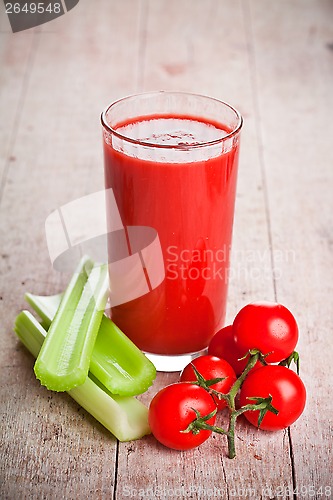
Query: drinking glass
x,y
171,160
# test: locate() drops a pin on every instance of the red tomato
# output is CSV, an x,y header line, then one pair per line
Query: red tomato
x,y
171,411
267,326
211,367
285,387
223,345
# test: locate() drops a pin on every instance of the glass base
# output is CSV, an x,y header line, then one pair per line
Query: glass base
x,y
173,363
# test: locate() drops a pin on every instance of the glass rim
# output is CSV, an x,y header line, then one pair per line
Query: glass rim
x,y
183,147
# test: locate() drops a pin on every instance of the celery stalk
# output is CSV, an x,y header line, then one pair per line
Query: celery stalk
x,y
63,361
125,417
45,306
116,361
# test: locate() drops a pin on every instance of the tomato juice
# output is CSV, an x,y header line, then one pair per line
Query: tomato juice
x,y
182,183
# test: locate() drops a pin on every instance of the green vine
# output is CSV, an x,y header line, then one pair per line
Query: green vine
x,y
263,405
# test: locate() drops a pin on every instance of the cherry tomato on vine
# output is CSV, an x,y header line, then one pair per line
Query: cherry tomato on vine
x,y
267,326
285,387
171,411
211,367
223,345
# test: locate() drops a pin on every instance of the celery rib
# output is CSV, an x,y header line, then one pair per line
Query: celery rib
x,y
45,306
125,417
63,361
116,361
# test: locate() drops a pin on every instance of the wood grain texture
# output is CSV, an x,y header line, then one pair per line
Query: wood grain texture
x,y
297,163
274,62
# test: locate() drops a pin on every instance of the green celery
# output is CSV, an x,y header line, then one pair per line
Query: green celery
x,y
125,417
115,361
118,363
45,306
63,361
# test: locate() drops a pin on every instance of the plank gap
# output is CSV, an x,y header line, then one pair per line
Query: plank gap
x,y
225,478
293,472
18,112
142,44
114,496
248,29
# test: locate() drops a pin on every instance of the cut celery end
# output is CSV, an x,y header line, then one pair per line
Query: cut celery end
x,y
116,361
63,361
129,419
45,306
125,417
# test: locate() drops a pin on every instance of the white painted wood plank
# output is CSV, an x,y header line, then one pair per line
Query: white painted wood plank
x,y
194,46
16,53
271,64
295,78
81,61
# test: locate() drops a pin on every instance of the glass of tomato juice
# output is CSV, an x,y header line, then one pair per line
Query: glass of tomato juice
x,y
171,160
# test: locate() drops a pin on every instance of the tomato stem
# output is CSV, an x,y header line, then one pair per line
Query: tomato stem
x,y
206,384
263,405
231,434
294,357
234,414
200,424
255,356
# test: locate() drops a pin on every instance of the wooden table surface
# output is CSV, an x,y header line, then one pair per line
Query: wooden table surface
x,y
274,62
